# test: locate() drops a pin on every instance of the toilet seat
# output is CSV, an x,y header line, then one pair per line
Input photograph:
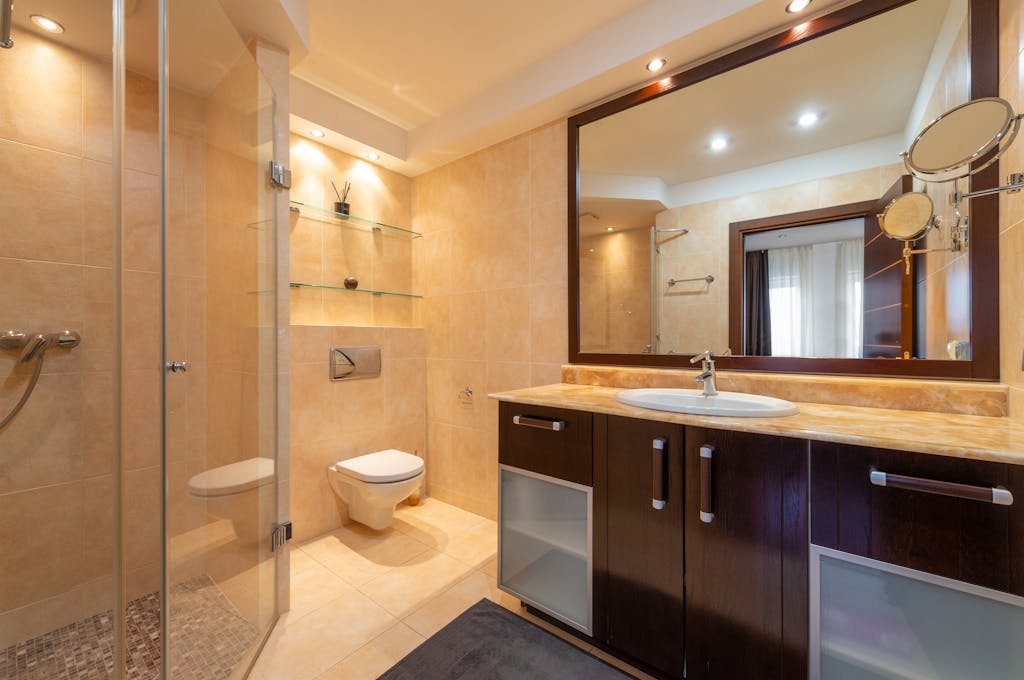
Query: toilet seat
x,y
232,478
381,467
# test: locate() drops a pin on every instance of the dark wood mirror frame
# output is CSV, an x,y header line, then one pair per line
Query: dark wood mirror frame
x,y
984,243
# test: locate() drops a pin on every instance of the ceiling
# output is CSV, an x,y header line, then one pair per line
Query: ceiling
x,y
862,81
621,214
426,83
408,62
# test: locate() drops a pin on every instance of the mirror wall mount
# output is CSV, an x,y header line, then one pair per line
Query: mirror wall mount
x,y
910,216
964,141
959,143
983,300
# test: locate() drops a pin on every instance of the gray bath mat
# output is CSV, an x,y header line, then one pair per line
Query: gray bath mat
x,y
488,641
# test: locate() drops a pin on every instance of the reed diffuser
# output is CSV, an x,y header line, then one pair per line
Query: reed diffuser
x,y
341,205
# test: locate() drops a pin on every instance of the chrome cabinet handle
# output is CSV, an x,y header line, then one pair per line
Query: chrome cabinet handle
x,y
540,423
659,478
177,366
706,453
989,494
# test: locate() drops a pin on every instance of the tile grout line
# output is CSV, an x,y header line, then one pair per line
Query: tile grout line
x,y
399,622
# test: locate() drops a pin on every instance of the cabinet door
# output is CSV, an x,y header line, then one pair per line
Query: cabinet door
x,y
746,556
967,540
643,579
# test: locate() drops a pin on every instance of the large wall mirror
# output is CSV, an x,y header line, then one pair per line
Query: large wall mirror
x,y
735,206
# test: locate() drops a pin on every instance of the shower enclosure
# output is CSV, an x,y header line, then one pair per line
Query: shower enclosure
x,y
138,301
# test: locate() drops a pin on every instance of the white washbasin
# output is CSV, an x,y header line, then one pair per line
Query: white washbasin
x,y
722,404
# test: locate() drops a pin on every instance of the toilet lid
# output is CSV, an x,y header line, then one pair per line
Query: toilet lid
x,y
381,467
233,478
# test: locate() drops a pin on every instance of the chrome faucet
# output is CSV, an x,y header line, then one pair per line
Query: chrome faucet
x,y
707,374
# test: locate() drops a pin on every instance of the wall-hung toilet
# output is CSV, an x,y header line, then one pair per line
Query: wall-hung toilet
x,y
241,492
373,484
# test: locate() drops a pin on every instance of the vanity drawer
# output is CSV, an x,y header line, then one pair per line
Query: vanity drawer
x,y
971,540
550,441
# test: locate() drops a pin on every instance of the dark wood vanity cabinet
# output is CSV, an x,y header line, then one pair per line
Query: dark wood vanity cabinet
x,y
974,541
746,556
717,553
639,571
727,597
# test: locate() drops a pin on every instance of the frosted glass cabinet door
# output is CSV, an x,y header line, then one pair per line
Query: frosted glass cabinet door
x,y
877,620
544,551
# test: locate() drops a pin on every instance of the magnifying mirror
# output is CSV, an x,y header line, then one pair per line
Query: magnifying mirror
x,y
980,130
908,217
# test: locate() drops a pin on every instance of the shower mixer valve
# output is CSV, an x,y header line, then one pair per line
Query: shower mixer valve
x,y
33,347
32,344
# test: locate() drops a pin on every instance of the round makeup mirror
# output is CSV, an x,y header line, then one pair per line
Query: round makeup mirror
x,y
908,217
978,130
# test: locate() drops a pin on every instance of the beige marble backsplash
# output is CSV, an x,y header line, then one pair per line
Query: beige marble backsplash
x,y
979,399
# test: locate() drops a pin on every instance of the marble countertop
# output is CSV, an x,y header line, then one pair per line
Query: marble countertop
x,y
962,436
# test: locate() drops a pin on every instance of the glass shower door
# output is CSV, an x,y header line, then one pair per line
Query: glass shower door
x,y
220,347
60,452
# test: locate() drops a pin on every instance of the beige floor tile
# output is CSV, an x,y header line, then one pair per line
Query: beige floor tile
x,y
434,522
310,645
443,609
475,547
313,585
406,587
375,657
359,555
490,567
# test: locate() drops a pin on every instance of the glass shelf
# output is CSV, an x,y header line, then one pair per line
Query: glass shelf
x,y
350,220
357,290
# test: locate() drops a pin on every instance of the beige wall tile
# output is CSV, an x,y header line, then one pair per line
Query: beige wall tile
x,y
468,325
549,340
37,561
142,123
548,163
42,199
508,324
50,122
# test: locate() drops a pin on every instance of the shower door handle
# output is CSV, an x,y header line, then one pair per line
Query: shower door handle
x,y
177,366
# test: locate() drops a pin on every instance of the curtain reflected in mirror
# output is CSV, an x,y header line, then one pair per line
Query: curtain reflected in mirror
x,y
758,331
812,303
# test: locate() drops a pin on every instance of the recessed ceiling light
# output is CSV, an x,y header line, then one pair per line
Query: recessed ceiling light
x,y
316,133
797,6
718,143
46,23
611,228
656,64
371,156
807,119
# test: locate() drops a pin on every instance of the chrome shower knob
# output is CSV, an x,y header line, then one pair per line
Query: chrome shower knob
x,y
177,366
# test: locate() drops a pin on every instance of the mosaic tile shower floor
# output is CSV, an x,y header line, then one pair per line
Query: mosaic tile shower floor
x,y
211,636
